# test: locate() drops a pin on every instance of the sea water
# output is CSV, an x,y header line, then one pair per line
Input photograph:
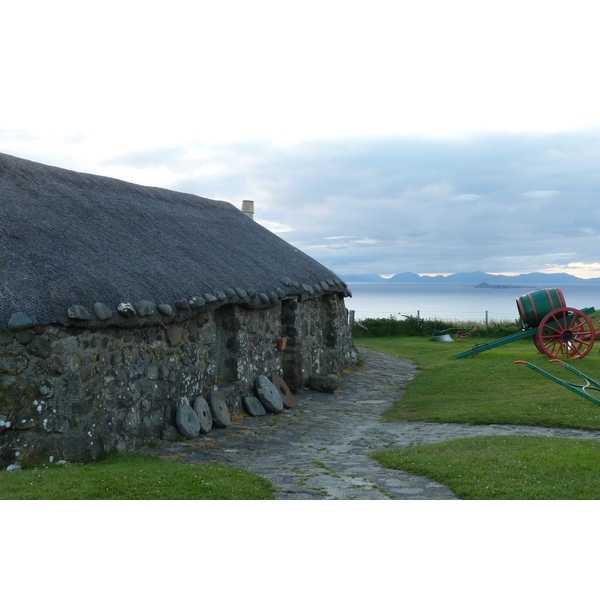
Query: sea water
x,y
453,302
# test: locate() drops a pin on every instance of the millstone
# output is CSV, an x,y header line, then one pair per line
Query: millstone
x,y
284,390
219,411
204,415
268,394
254,406
187,421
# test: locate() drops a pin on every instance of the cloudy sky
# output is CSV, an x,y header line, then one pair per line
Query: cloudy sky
x,y
377,136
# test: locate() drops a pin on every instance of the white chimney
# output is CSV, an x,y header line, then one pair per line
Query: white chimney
x,y
248,208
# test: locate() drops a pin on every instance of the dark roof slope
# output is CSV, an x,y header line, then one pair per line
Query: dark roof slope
x,y
72,239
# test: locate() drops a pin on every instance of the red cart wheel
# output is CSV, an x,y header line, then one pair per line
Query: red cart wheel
x,y
565,333
538,344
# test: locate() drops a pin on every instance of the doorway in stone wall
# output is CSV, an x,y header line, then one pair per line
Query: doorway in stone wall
x,y
328,322
292,353
225,321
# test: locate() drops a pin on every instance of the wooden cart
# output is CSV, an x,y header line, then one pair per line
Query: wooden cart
x,y
558,331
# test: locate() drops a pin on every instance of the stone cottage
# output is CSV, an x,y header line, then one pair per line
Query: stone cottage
x,y
120,303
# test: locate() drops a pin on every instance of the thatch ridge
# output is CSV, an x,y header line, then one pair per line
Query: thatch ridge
x,y
69,238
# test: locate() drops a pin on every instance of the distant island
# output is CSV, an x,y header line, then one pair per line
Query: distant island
x,y
477,279
501,286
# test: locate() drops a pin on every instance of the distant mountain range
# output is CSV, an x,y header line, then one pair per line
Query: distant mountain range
x,y
475,278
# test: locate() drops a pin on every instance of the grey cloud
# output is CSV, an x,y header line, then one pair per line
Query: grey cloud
x,y
540,194
16,135
466,198
496,202
75,137
172,156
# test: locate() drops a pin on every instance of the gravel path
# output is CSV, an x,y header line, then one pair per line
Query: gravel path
x,y
320,449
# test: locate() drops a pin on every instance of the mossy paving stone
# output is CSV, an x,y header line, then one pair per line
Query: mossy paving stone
x,y
290,447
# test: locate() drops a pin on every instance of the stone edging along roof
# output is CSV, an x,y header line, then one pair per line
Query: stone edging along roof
x,y
78,248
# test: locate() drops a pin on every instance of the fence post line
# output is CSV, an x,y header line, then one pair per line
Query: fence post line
x,y
486,321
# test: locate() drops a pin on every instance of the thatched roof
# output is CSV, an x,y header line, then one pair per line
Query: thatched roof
x,y
70,239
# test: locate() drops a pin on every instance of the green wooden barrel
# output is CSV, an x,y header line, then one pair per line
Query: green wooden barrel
x,y
533,307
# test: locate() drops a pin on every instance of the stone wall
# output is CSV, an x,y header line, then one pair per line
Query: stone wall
x,y
73,393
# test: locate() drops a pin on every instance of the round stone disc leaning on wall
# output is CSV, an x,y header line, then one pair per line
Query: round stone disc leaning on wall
x,y
204,415
220,412
254,406
284,390
268,394
187,421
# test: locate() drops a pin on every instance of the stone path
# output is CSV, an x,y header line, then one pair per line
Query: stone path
x,y
320,449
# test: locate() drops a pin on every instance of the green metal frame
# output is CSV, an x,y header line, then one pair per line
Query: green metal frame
x,y
505,340
577,388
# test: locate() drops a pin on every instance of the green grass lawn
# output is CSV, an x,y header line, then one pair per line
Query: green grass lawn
x,y
506,467
131,477
489,388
